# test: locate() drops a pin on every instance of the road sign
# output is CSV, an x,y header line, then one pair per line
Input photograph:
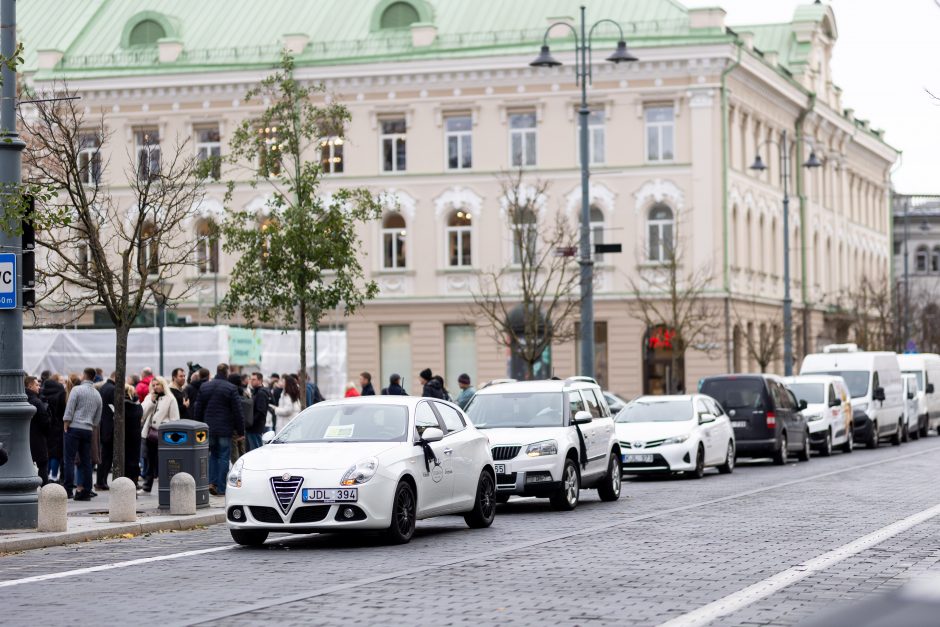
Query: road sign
x,y
8,286
606,249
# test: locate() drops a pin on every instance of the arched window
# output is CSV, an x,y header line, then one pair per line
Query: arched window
x,y
661,227
596,226
920,259
524,236
459,234
399,15
393,241
146,33
207,247
148,253
935,259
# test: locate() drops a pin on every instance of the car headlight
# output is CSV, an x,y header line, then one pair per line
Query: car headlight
x,y
679,439
538,449
235,476
360,473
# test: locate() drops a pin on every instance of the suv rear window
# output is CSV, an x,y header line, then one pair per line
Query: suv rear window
x,y
736,393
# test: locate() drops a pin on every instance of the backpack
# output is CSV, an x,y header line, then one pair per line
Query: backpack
x,y
248,411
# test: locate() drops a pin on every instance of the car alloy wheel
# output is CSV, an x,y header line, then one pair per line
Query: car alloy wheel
x,y
826,450
699,471
566,498
728,467
849,445
403,514
874,439
609,488
484,507
804,452
780,456
571,485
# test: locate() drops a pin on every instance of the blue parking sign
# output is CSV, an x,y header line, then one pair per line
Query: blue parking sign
x,y
8,287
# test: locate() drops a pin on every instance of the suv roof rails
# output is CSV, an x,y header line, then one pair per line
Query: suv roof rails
x,y
582,379
496,382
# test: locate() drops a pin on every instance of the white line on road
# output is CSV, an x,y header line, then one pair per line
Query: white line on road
x,y
94,569
762,589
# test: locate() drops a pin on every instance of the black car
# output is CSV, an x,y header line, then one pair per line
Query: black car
x,y
766,417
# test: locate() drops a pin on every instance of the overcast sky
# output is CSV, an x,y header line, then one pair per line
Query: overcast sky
x,y
887,54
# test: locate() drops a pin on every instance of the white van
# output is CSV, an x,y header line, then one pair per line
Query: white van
x,y
874,380
926,367
911,407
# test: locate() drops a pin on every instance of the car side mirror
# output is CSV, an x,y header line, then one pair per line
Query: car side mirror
x,y
929,388
803,404
432,434
879,394
835,402
267,436
706,418
582,418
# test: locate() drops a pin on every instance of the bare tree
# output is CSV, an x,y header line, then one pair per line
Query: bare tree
x,y
672,294
873,315
764,346
530,304
117,248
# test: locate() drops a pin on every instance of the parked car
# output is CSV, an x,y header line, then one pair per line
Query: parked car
x,y
828,411
615,402
926,367
874,380
549,439
378,462
764,414
911,409
668,434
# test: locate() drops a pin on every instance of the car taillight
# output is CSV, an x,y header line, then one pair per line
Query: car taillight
x,y
771,420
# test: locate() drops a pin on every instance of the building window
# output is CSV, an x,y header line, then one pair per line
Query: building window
x,y
207,247
393,145
395,352
393,241
460,354
935,260
661,230
459,229
269,154
89,158
596,146
524,236
459,134
146,33
209,148
399,15
331,154
920,260
147,142
522,139
596,226
660,133
147,250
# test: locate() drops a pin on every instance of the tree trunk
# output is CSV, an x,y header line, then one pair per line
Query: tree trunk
x,y
303,353
120,368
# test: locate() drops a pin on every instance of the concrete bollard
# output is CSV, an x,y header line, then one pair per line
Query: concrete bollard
x,y
122,502
182,494
53,508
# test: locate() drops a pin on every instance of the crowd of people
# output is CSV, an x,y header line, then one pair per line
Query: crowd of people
x,y
72,431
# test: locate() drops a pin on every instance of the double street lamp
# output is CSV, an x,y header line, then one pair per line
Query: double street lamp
x,y
812,162
583,74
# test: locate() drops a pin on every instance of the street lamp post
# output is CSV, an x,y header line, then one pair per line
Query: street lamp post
x,y
583,74
758,165
160,297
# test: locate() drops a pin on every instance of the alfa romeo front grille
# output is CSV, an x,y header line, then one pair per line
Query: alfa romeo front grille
x,y
502,453
286,491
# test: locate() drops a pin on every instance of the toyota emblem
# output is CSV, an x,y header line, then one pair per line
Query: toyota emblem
x,y
286,476
639,444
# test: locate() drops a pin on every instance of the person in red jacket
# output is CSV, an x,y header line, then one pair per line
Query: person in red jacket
x,y
143,387
351,390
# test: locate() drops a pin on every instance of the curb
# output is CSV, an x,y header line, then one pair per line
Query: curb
x,y
112,529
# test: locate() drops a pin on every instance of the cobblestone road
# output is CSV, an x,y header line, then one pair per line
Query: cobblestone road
x,y
666,549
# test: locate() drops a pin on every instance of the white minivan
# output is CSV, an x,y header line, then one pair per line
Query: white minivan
x,y
926,367
874,380
911,407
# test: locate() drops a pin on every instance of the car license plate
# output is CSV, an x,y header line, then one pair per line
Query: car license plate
x,y
637,459
501,469
330,495
739,424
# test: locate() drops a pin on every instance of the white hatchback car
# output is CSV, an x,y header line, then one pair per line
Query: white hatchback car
x,y
828,411
549,439
376,462
682,433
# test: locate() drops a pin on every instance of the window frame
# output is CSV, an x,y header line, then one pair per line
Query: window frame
x,y
460,136
921,259
334,145
395,233
92,155
458,232
394,138
213,149
210,244
437,418
524,134
593,127
152,150
659,127
660,225
520,229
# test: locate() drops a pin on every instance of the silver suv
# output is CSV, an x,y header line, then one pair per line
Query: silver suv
x,y
549,439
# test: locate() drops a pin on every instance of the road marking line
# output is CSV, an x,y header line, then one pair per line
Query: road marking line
x,y
95,569
762,589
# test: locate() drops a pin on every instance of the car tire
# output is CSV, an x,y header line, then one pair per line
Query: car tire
x,y
609,488
915,434
249,537
804,452
826,449
502,498
874,439
728,467
484,505
699,471
849,444
781,454
404,512
925,428
898,434
566,498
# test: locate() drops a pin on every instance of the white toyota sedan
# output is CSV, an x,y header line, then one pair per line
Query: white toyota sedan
x,y
375,463
668,434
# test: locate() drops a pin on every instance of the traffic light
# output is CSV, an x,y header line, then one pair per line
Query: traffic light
x,y
28,258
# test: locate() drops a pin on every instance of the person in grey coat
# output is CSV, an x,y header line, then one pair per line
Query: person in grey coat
x,y
82,415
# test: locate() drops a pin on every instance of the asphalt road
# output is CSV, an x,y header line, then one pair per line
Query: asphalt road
x,y
765,546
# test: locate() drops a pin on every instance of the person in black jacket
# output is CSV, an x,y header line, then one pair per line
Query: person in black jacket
x,y
38,429
365,382
260,402
394,386
133,414
218,406
432,387
52,394
106,433
178,390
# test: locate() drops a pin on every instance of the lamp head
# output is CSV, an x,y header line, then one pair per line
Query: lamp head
x,y
621,54
545,59
758,164
813,161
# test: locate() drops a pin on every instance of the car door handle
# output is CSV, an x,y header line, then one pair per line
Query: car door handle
x,y
448,451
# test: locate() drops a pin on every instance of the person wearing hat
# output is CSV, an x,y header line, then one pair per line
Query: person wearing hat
x,y
466,391
432,387
394,386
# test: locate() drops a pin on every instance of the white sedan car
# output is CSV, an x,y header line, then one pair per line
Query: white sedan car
x,y
668,434
366,463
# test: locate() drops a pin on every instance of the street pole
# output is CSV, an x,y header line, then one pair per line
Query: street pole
x,y
787,301
19,499
586,261
907,292
161,322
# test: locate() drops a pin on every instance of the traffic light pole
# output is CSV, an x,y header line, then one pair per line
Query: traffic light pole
x,y
19,500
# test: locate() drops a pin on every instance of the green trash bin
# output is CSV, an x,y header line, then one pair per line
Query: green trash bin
x,y
183,446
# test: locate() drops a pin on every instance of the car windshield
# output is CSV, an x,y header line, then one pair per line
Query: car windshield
x,y
347,423
856,380
809,392
656,411
735,393
920,377
538,409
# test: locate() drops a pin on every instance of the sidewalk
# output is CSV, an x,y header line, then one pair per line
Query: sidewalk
x,y
88,520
